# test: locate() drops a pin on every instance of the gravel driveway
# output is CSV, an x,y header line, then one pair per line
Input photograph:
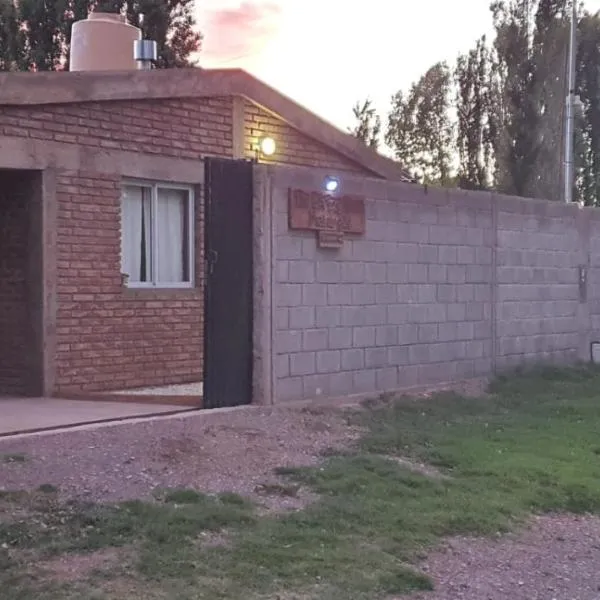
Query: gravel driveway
x,y
557,558
213,452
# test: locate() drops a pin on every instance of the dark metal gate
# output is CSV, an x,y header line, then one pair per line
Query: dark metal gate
x,y
229,283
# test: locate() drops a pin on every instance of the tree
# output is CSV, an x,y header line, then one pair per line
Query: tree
x,y
474,139
419,129
588,88
368,126
36,34
516,143
11,43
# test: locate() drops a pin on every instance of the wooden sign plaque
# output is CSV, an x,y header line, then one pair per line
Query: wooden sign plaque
x,y
329,216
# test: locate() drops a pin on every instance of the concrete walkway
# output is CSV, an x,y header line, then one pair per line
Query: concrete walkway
x,y
20,415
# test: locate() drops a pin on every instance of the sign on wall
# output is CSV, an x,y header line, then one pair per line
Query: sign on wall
x,y
329,216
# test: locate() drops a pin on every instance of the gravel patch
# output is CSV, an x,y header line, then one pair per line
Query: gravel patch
x,y
557,558
212,452
179,389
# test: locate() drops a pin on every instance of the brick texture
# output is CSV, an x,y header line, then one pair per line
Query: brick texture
x,y
444,285
109,337
15,335
293,148
176,128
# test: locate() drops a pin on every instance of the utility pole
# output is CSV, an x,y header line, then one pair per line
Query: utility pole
x,y
571,102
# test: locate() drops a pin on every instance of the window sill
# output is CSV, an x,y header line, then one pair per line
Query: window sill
x,y
157,291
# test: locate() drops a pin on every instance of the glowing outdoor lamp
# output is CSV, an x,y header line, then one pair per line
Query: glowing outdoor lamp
x,y
331,184
267,146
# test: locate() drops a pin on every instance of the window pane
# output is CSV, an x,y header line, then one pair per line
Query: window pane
x,y
173,226
136,233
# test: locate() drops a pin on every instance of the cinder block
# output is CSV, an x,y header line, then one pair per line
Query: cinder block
x,y
329,316
386,293
282,271
363,337
353,316
437,273
397,314
302,317
339,293
363,294
375,314
397,273
290,388
288,341
328,272
386,335
428,333
314,294
426,293
303,363
353,359
408,333
282,365
301,271
398,355
376,358
353,272
282,318
289,247
329,361
289,294
315,386
364,381
375,272
341,384
315,339
386,379
428,254
417,273
340,337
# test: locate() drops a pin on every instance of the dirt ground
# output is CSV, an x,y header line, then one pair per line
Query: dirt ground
x,y
558,557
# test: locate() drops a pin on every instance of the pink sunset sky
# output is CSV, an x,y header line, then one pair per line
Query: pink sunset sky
x,y
327,54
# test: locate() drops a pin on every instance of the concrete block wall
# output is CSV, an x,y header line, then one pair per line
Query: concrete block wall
x,y
444,285
539,251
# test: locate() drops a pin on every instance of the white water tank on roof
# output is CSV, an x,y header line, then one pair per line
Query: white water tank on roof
x,y
103,42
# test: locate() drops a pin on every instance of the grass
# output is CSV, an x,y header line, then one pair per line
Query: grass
x,y
530,447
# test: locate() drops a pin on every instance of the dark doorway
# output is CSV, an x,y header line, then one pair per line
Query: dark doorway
x,y
20,283
229,283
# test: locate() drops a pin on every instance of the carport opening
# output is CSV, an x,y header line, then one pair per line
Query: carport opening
x,y
21,363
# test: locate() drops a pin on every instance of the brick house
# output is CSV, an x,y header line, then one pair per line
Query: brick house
x,y
102,220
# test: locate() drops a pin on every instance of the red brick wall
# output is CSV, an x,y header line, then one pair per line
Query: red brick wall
x,y
293,147
179,128
14,257
110,337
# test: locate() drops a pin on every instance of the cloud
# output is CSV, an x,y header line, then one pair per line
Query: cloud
x,y
239,31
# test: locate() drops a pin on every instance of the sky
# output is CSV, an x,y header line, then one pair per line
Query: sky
x,y
328,54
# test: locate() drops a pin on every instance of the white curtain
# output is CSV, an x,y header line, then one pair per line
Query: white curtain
x,y
172,235
135,212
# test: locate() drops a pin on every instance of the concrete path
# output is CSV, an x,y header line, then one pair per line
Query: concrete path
x,y
19,415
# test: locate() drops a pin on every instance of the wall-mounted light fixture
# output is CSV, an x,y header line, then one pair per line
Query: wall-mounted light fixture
x,y
331,184
267,146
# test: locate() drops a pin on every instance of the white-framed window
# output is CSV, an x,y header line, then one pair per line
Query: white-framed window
x,y
157,234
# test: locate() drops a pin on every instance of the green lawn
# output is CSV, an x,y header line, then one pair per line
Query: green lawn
x,y
533,445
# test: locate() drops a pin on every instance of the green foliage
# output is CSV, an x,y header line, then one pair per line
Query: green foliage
x,y
35,35
420,131
368,124
530,446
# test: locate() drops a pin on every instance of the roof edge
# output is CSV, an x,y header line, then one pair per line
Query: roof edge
x,y
39,89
